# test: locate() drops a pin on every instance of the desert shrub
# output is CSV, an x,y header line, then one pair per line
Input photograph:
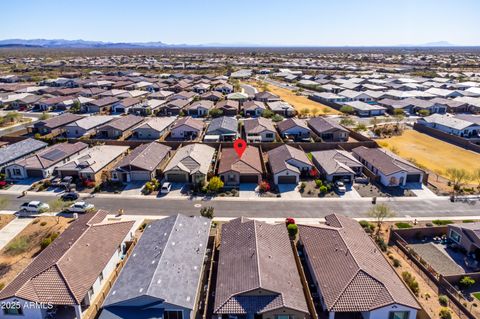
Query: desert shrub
x,y
396,263
443,300
323,189
445,313
264,186
208,212
17,246
368,227
43,223
403,225
411,282
467,221
440,222
45,242
466,282
292,230
318,183
215,184
381,244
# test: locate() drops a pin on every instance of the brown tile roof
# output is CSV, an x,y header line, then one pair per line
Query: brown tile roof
x,y
123,123
145,156
104,101
58,121
249,163
291,123
63,272
258,125
189,121
256,255
320,125
386,162
351,272
278,158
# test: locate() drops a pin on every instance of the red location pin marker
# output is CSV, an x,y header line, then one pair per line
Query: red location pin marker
x,y
239,145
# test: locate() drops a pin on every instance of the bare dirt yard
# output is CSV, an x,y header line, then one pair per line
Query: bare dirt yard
x,y
5,219
299,102
21,250
433,154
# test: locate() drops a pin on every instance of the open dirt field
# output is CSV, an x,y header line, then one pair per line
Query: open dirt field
x,y
299,102
435,155
5,219
26,245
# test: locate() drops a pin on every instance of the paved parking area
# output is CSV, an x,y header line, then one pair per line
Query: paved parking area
x,y
248,190
289,191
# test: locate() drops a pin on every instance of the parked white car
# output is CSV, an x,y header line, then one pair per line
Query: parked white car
x,y
165,189
34,206
80,207
340,186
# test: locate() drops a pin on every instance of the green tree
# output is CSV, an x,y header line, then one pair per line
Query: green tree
x,y
292,230
75,108
208,212
215,184
466,282
423,112
379,213
347,109
44,116
267,113
347,121
215,112
12,117
277,118
457,177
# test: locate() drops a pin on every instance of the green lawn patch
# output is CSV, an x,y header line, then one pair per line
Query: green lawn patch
x,y
403,225
476,295
440,222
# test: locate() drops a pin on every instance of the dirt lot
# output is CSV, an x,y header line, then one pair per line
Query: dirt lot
x,y
26,245
299,102
432,153
5,219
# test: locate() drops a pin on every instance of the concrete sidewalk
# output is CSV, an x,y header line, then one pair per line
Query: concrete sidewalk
x,y
12,229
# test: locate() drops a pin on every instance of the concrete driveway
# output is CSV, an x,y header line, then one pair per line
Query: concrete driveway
x,y
289,191
175,191
12,229
423,191
23,185
351,193
248,190
133,188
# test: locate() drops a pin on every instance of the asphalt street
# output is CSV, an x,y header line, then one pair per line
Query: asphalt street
x,y
404,207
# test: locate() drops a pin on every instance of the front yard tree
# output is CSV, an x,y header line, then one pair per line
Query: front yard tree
x,y
457,176
208,212
379,213
346,109
215,184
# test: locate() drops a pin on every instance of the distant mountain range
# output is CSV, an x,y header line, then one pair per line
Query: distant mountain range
x,y
82,44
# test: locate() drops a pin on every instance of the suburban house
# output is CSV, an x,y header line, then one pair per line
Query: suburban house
x,y
294,128
19,150
364,109
142,164
228,107
328,130
199,108
257,275
259,130
95,162
100,105
288,164
266,97
125,105
186,128
337,165
234,170
224,88
153,128
253,108
212,96
190,164
148,107
71,272
466,235
352,277
282,108
173,107
238,97
390,169
43,163
222,129
167,264
86,125
452,125
54,124
119,127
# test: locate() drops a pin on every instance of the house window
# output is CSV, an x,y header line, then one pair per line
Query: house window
x,y
269,135
173,314
399,315
17,171
455,236
283,317
101,277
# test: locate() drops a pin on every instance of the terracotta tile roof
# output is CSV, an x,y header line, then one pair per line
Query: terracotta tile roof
x,y
256,256
249,163
351,272
58,121
63,272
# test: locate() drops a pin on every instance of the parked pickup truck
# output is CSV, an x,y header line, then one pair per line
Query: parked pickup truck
x,y
34,207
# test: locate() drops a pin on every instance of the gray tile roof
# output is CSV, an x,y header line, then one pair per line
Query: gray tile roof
x,y
166,264
20,149
145,156
223,124
255,255
192,158
351,272
336,161
279,158
322,124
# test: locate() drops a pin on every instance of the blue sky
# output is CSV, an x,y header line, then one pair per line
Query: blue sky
x,y
269,22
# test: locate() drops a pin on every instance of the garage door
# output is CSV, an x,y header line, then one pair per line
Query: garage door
x,y
140,176
178,178
413,178
34,173
249,179
287,179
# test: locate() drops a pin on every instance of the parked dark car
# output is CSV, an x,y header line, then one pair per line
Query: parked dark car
x,y
71,196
